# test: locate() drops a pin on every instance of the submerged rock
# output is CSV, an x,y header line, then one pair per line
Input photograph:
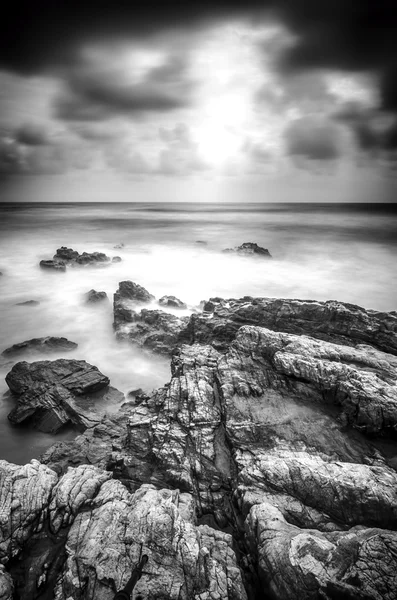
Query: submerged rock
x,y
92,297
172,302
28,303
51,394
54,265
249,249
43,345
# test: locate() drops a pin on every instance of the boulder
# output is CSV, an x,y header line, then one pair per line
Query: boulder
x,y
42,345
54,265
132,292
51,394
93,297
68,256
249,249
172,302
116,259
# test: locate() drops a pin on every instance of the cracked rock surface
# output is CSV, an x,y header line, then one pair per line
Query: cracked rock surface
x,y
265,468
51,394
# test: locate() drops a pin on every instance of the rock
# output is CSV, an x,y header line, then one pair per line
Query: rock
x,y
132,292
68,256
331,321
249,249
201,242
53,265
82,534
25,497
1,274
43,345
92,297
172,302
296,563
119,246
6,585
51,394
116,259
151,329
28,303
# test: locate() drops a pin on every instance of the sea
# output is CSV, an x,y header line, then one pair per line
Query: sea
x,y
319,251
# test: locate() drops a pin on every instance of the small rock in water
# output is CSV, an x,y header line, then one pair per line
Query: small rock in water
x,y
28,303
116,259
248,249
201,242
44,345
54,265
92,297
172,302
119,246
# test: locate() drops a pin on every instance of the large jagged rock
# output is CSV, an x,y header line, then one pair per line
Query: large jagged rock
x,y
279,420
51,394
81,535
44,345
6,585
331,321
249,249
297,564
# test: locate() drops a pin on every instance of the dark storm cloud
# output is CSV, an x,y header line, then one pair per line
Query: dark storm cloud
x,y
349,34
31,135
373,131
94,95
312,139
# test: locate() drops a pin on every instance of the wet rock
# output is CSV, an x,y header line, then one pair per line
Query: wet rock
x,y
306,564
51,394
332,321
6,585
53,265
201,242
93,297
249,249
133,293
24,499
119,246
71,257
116,259
28,303
43,345
172,302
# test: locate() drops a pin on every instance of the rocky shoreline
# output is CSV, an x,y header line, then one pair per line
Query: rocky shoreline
x,y
265,468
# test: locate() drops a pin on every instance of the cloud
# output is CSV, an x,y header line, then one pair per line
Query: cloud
x,y
313,139
30,134
180,156
375,132
95,92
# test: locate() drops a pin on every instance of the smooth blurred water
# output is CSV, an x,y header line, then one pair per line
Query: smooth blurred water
x,y
321,251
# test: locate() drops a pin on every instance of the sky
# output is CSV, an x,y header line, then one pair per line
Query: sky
x,y
216,101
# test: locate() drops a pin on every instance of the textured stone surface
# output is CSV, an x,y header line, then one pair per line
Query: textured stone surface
x,y
282,440
308,564
51,394
42,345
72,257
331,321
